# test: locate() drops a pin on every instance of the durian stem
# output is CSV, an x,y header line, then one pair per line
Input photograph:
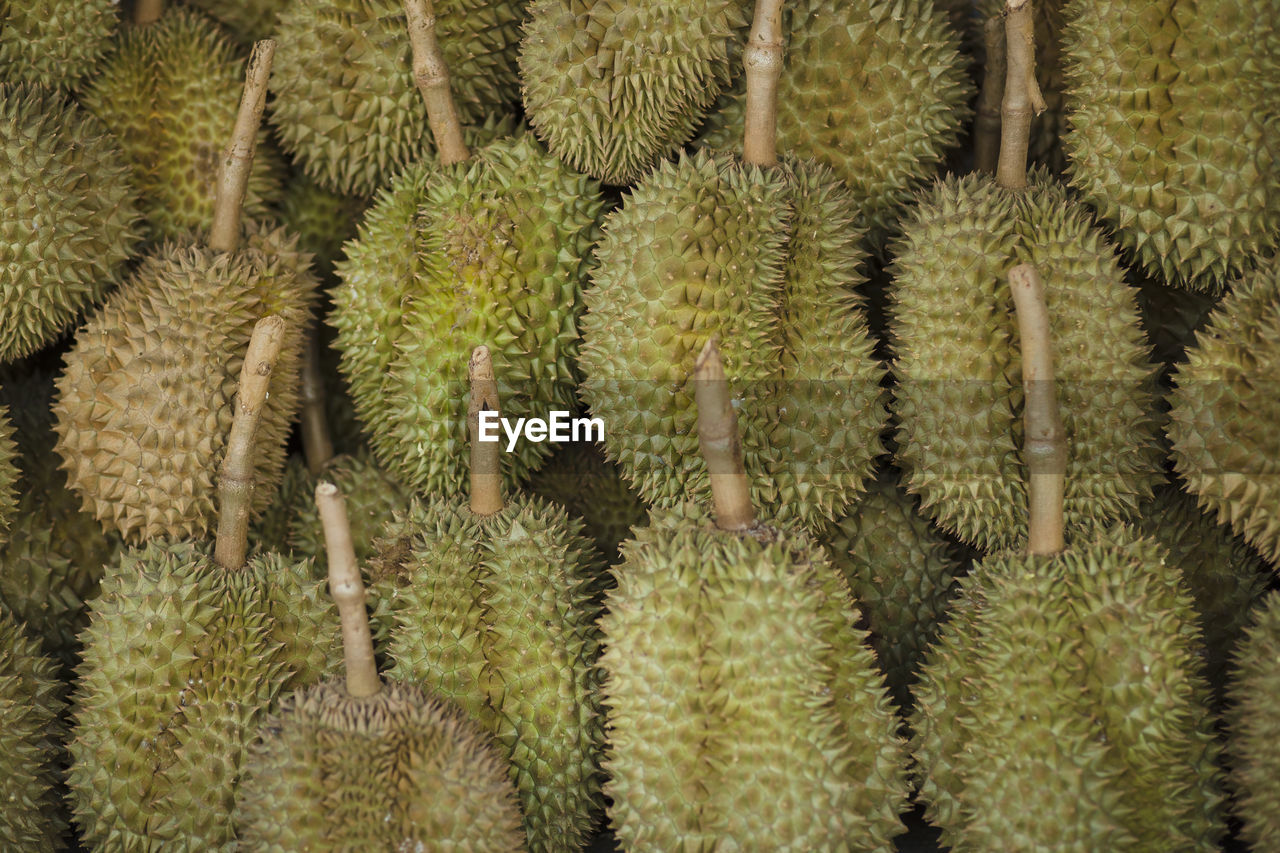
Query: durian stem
x,y
316,443
347,591
147,12
1022,99
431,74
986,127
720,444
1044,441
235,477
237,159
486,460
763,61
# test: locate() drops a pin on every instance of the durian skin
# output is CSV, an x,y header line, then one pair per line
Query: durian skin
x,y
1225,408
322,219
9,475
878,91
346,108
491,251
70,215
54,42
1254,724
613,86
169,93
497,614
182,661
145,403
744,710
246,20
1172,107
959,394
32,702
1062,707
766,260
335,772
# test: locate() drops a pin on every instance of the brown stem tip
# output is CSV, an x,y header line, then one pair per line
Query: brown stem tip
x,y
431,75
147,12
237,159
720,443
347,591
763,61
1022,99
486,461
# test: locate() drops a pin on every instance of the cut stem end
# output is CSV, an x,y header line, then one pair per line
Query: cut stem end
x,y
431,76
720,444
347,590
486,458
237,158
1022,99
762,59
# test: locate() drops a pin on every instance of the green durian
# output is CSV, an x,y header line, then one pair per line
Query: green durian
x,y
1226,408
590,487
902,572
1063,708
32,702
1172,108
270,530
613,86
957,361
1254,721
246,20
70,215
54,42
876,90
346,107
169,92
323,220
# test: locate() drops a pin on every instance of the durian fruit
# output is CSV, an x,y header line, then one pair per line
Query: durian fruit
x,y
764,256
322,219
745,711
271,529
247,20
589,486
363,765
187,649
54,42
1254,722
612,87
1226,408
1063,707
32,702
902,572
145,400
1172,108
70,215
956,354
877,91
168,92
345,106
487,248
492,605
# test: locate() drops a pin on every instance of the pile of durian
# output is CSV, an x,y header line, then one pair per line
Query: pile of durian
x,y
935,348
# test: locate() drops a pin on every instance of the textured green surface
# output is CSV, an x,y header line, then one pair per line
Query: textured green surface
x,y
1254,721
744,710
765,260
395,771
497,614
145,402
1225,410
54,42
182,660
485,252
955,337
246,20
1173,106
322,219
69,215
1063,708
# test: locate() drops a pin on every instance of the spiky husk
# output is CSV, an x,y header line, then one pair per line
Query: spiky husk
x,y
1172,107
902,572
876,90
959,397
498,614
734,667
346,107
145,403
1070,685
246,20
70,215
1225,410
1254,721
399,770
485,252
589,486
765,260
9,475
32,701
613,86
54,42
182,661
323,220
169,92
